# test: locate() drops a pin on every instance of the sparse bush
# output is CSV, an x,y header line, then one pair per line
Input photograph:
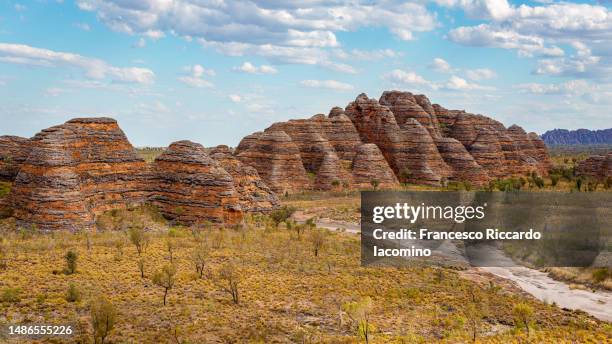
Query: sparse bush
x,y
579,184
141,267
10,295
103,318
165,278
608,183
359,314
71,258
317,239
600,275
375,183
170,246
523,314
139,237
554,179
228,279
73,294
281,215
199,257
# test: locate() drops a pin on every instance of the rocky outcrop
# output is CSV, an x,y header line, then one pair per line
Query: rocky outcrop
x,y
462,164
577,137
371,167
189,186
75,171
254,195
14,151
248,141
422,143
598,167
331,175
277,160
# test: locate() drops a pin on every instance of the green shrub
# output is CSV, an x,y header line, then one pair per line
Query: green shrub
x,y
103,318
73,294
281,215
11,295
523,314
71,262
600,275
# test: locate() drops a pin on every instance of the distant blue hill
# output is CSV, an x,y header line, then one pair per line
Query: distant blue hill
x,y
577,137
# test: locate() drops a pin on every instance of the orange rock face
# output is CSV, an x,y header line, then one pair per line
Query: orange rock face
x,y
189,186
331,175
277,160
598,167
254,195
78,170
421,142
14,151
370,166
75,171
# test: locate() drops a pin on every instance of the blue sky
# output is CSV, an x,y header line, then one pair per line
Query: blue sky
x,y
215,70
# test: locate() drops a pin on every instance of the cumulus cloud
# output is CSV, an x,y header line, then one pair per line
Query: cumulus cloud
x,y
540,31
250,68
195,76
408,78
480,74
281,31
366,55
327,84
440,65
235,98
571,87
459,84
93,68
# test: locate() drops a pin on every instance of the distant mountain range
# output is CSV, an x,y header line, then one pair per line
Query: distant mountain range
x,y
577,137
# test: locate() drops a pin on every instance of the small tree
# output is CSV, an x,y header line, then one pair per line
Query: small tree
x,y
375,183
199,257
281,215
554,179
141,267
138,236
317,239
523,314
359,313
228,280
73,294
579,184
103,318
170,246
165,278
71,262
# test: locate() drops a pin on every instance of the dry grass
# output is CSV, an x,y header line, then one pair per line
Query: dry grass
x,y
287,295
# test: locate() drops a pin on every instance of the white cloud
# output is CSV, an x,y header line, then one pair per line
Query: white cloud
x,y
480,74
408,78
484,35
440,65
92,67
541,31
327,84
195,76
249,68
366,55
571,87
459,84
292,32
235,98
20,7
140,43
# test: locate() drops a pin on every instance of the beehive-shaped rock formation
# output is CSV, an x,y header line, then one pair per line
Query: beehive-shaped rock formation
x,y
370,167
254,194
14,151
598,167
331,175
277,160
75,171
189,186
421,142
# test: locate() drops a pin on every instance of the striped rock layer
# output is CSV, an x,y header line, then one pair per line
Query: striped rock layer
x,y
69,174
420,142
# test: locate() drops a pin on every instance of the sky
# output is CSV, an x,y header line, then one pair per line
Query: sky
x,y
213,71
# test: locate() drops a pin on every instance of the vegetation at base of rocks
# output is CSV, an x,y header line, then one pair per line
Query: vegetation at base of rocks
x,y
5,188
281,215
262,284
